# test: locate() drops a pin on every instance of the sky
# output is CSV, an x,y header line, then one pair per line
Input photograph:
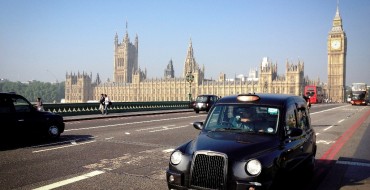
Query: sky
x,y
45,39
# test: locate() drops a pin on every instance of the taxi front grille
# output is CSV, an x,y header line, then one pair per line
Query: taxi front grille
x,y
209,170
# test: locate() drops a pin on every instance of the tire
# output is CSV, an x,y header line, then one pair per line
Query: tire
x,y
53,132
309,166
196,111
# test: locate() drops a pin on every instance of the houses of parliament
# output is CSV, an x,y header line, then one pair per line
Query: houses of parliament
x,y
130,82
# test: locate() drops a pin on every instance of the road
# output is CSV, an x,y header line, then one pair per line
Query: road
x,y
133,152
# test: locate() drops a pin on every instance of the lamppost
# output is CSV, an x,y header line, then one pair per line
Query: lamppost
x,y
189,79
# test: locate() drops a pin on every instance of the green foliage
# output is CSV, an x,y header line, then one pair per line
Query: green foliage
x,y
48,92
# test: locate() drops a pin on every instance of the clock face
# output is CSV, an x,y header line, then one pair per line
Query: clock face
x,y
335,44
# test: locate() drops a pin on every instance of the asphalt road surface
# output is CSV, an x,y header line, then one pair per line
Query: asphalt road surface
x,y
133,152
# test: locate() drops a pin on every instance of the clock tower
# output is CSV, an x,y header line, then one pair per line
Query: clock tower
x,y
337,50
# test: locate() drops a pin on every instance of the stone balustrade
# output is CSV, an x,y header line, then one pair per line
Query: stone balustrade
x,y
71,109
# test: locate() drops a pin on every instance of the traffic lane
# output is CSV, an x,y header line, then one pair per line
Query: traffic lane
x,y
148,129
351,165
101,154
38,165
329,125
128,123
321,107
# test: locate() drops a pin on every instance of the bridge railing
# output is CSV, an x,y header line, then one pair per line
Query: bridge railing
x,y
71,109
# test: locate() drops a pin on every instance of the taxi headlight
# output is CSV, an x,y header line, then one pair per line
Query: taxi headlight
x,y
253,167
176,157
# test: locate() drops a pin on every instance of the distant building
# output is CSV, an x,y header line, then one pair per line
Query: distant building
x,y
130,83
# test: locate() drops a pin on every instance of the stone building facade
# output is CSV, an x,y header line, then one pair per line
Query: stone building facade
x,y
130,83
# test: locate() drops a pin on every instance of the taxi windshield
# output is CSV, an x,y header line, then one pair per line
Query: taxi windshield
x,y
202,99
243,118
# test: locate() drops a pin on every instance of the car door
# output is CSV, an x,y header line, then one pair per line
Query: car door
x,y
293,141
27,120
308,132
7,116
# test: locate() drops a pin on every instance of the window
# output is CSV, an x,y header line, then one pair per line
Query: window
x,y
21,105
290,118
302,119
6,105
244,118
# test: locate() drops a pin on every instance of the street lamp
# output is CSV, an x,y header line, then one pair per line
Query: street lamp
x,y
189,79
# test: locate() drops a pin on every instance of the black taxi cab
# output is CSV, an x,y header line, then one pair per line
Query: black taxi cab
x,y
19,119
204,102
246,141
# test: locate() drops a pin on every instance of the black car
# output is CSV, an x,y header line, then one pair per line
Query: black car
x,y
204,102
19,118
239,150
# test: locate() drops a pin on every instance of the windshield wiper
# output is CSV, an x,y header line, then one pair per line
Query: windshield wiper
x,y
226,129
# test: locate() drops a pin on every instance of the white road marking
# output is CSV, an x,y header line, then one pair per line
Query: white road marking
x,y
168,150
324,142
76,144
328,127
123,124
108,138
127,133
166,128
69,181
341,121
154,128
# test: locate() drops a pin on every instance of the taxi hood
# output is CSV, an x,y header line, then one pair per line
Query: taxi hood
x,y
237,146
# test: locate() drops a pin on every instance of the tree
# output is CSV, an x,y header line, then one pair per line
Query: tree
x,y
49,92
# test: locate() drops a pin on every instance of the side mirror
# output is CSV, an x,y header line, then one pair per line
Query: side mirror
x,y
295,132
198,125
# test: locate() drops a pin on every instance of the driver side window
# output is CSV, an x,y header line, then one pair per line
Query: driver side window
x,y
21,105
290,119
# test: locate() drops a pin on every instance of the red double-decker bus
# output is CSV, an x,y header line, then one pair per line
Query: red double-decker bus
x,y
314,93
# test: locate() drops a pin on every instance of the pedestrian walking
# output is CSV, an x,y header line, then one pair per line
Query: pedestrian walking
x,y
106,104
102,103
39,104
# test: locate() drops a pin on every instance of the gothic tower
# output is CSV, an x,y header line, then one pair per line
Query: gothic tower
x,y
337,50
125,59
169,72
192,67
190,63
268,72
295,78
78,88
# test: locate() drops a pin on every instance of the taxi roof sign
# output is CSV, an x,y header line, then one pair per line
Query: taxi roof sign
x,y
247,97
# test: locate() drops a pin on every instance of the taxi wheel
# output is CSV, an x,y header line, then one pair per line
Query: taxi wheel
x,y
309,165
53,132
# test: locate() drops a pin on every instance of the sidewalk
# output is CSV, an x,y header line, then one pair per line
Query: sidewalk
x,y
123,114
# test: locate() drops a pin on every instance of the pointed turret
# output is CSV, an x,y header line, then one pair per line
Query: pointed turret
x,y
116,40
190,63
337,22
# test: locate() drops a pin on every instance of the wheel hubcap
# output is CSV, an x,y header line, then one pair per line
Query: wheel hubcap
x,y
53,130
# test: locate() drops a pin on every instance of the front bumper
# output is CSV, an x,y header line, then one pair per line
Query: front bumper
x,y
178,181
200,107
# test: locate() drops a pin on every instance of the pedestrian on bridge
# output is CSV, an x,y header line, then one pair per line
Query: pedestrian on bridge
x,y
102,103
106,104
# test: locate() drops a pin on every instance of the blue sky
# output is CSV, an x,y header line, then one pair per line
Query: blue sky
x,y
44,39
